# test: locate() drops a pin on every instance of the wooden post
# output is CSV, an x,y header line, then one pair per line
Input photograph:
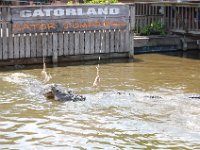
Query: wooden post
x,y
92,48
4,32
198,43
60,44
81,42
33,45
184,44
66,44
117,40
55,49
1,48
16,46
76,47
112,43
87,42
21,46
132,27
28,46
44,46
97,41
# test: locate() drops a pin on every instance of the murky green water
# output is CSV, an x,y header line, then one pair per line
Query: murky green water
x,y
141,104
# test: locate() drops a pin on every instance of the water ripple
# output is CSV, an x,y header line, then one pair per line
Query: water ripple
x,y
121,114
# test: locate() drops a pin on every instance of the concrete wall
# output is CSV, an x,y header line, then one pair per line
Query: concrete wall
x,y
145,44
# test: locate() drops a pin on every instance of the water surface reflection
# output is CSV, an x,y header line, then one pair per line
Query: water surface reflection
x,y
141,104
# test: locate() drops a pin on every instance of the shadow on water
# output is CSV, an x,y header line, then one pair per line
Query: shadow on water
x,y
190,54
65,64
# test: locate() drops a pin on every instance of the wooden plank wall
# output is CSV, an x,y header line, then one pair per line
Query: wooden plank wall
x,y
39,45
182,18
4,32
132,29
63,44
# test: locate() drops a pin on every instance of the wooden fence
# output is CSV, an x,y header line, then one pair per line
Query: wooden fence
x,y
145,14
15,45
183,18
176,17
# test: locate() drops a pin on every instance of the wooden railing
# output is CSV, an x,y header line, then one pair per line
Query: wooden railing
x,y
176,17
183,18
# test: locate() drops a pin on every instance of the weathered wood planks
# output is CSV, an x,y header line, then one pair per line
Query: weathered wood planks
x,y
55,44
64,44
37,19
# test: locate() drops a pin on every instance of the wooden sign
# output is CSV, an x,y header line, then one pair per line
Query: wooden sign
x,y
39,19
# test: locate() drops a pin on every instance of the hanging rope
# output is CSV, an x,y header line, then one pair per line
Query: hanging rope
x,y
96,82
44,73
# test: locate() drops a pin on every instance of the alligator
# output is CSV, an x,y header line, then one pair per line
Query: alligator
x,y
57,93
54,92
195,97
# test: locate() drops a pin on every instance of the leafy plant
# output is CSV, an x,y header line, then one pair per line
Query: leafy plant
x,y
69,2
100,1
155,28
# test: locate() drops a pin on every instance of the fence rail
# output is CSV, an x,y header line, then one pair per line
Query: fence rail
x,y
182,18
176,17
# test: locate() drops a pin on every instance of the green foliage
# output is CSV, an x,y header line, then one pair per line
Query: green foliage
x,y
155,28
100,1
69,2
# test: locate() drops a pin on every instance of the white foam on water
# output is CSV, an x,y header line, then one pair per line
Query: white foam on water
x,y
18,78
28,84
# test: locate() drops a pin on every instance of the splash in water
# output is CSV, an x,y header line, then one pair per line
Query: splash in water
x,y
44,73
96,82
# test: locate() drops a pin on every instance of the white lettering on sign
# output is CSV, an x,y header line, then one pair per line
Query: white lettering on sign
x,y
38,13
47,12
102,11
114,11
25,13
69,12
79,11
91,11
59,12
